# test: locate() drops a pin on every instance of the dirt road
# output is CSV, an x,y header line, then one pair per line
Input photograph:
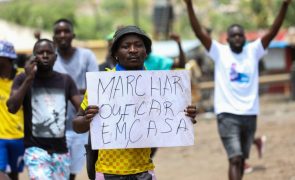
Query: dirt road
x,y
206,160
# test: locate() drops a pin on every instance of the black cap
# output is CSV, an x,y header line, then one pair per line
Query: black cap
x,y
131,30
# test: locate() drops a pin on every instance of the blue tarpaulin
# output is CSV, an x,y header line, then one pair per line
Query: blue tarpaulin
x,y
278,44
170,48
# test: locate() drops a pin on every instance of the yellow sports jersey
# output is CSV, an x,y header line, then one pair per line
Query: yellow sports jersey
x,y
12,125
122,161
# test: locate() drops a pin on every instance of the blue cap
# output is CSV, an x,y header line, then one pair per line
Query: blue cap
x,y
7,50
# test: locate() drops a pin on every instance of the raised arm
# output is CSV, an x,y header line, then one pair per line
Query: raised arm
x,y
17,95
181,63
197,28
266,39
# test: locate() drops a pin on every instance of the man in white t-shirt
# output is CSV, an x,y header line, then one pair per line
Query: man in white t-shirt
x,y
75,62
236,100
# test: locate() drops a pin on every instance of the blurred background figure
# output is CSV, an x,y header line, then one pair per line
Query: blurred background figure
x,y
12,125
163,17
75,62
37,34
259,143
159,62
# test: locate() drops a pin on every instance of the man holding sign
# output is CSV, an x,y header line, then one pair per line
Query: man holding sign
x,y
132,159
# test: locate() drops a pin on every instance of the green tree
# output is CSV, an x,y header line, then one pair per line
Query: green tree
x,y
103,18
39,14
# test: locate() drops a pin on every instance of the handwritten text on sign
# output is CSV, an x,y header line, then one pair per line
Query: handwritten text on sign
x,y
140,109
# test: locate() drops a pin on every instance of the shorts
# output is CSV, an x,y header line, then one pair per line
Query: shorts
x,y
147,175
44,166
75,143
11,153
237,133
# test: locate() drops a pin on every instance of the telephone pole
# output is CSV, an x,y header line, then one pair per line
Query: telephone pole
x,y
136,12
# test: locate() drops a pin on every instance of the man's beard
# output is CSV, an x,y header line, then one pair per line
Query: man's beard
x,y
64,47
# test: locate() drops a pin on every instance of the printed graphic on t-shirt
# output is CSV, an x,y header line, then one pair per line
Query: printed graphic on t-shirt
x,y
48,112
236,76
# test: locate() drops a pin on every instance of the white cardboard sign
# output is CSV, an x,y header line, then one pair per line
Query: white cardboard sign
x,y
140,109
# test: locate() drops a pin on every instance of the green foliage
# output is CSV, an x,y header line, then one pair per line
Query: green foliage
x,y
39,14
264,12
289,21
224,1
252,14
85,27
101,19
115,6
256,6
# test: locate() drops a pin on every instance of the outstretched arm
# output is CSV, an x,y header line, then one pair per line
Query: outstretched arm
x,y
197,28
266,39
181,62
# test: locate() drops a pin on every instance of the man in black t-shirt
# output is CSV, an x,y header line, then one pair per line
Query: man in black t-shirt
x,y
44,94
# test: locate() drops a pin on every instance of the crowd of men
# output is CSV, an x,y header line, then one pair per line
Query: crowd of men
x,y
45,116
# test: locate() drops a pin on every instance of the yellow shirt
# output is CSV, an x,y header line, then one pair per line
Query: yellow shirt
x,y
122,161
12,125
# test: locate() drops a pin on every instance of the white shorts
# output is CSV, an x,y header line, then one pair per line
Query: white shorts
x,y
75,143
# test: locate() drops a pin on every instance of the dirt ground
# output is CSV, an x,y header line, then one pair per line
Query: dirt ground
x,y
207,160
